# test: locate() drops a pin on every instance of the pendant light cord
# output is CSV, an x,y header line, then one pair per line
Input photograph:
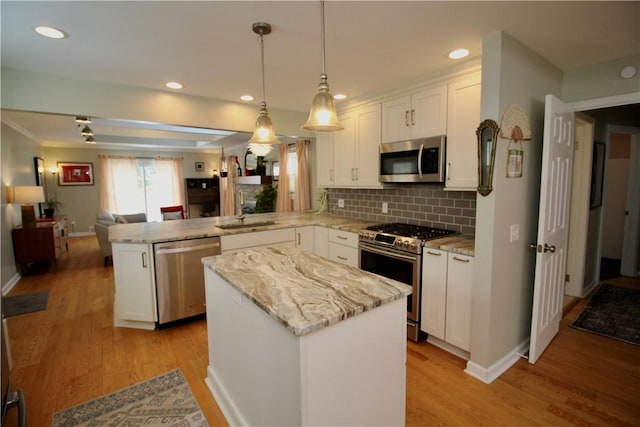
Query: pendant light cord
x,y
322,34
262,58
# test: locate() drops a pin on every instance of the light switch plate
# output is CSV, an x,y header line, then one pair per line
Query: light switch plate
x,y
341,203
514,232
385,207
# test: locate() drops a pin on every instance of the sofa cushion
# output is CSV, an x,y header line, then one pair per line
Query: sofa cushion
x,y
105,217
119,219
137,217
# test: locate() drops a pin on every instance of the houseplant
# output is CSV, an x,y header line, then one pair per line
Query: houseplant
x,y
266,200
50,207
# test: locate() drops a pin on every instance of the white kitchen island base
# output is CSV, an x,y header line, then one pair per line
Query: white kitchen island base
x,y
352,372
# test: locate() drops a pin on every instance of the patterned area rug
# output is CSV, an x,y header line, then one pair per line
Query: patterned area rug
x,y
613,312
161,401
25,303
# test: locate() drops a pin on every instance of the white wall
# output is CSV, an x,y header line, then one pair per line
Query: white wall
x,y
600,80
504,270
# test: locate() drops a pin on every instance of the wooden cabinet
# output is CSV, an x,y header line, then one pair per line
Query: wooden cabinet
x,y
202,197
446,297
419,114
343,247
135,289
45,242
349,158
463,118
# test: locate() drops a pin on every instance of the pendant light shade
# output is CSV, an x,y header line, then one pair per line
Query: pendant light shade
x,y
263,133
260,150
323,116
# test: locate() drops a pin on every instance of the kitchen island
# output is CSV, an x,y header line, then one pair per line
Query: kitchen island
x,y
296,339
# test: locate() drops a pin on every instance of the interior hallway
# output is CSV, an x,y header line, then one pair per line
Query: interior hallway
x,y
70,353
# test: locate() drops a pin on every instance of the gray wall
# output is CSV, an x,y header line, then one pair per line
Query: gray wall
x,y
600,80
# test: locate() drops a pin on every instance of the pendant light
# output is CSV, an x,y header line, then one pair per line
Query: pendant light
x,y
322,117
263,135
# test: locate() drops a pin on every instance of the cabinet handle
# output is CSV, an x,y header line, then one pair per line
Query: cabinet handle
x,y
460,259
342,237
331,174
447,171
298,239
406,118
356,174
434,253
413,114
342,258
144,260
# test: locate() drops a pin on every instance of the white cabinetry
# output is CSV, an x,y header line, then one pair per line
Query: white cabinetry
x,y
256,239
349,158
305,239
417,115
463,118
446,297
321,241
343,247
135,291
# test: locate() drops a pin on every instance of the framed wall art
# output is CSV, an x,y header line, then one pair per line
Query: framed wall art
x,y
199,166
75,173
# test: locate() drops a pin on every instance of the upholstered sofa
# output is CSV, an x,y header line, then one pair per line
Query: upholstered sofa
x,y
106,219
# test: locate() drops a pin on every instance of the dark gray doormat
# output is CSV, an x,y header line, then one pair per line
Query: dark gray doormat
x,y
25,303
613,312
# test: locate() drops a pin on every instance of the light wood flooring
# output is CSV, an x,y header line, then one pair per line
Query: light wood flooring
x,y
70,353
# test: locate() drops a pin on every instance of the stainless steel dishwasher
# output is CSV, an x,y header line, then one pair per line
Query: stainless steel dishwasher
x,y
180,277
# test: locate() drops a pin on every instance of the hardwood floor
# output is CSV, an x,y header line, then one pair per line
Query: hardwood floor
x,y
70,353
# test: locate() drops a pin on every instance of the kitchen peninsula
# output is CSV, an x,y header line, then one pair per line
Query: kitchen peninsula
x,y
330,338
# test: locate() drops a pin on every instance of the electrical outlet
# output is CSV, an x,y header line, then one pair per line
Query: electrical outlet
x,y
385,207
92,229
341,203
514,232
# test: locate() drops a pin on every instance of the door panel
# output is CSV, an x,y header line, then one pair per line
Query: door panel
x,y
553,225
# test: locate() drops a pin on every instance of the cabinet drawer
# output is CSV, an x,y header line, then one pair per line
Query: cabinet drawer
x,y
343,237
257,238
343,254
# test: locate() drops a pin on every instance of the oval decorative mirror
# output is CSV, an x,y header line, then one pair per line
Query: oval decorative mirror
x,y
487,134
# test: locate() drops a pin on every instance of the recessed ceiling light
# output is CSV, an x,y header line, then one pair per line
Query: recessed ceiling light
x,y
339,96
51,32
458,53
246,98
174,85
628,72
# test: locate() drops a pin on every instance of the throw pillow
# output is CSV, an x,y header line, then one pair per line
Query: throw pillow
x,y
105,216
119,219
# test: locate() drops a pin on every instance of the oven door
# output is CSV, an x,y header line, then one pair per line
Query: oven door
x,y
397,265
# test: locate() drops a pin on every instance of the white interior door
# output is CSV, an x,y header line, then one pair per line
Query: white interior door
x,y
553,225
630,257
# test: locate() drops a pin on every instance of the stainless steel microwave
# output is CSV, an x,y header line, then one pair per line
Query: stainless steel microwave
x,y
417,160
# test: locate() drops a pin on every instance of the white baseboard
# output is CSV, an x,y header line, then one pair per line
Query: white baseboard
x,y
448,347
230,411
488,375
81,233
11,283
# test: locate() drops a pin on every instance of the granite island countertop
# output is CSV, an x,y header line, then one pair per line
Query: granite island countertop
x,y
196,228
303,291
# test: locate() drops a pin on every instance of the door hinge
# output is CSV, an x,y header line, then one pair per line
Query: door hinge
x,y
567,277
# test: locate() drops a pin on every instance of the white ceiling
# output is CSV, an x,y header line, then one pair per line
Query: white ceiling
x,y
210,48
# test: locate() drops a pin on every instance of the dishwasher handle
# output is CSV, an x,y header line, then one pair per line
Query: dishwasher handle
x,y
187,249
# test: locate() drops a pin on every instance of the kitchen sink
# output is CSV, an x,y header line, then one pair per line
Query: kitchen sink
x,y
252,224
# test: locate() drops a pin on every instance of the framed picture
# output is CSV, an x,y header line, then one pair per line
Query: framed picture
x,y
597,175
75,173
199,166
38,164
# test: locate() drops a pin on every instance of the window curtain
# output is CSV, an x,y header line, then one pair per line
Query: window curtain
x,y
120,191
302,199
227,189
283,199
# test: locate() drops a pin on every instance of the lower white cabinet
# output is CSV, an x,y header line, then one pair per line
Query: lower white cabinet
x,y
135,296
305,238
321,244
446,297
343,247
256,239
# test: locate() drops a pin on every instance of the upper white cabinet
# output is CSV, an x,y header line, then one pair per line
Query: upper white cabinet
x,y
349,158
463,118
417,115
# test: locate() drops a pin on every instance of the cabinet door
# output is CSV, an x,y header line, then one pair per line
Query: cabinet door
x,y
344,254
305,238
344,152
368,133
459,279
395,119
134,282
321,241
462,122
324,158
428,115
434,292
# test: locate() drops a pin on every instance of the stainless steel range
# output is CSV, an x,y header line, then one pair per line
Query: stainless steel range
x,y
394,250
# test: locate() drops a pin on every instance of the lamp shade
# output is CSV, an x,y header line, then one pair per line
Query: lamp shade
x,y
264,133
323,116
25,194
260,150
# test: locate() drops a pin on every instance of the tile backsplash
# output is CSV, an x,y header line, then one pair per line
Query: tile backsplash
x,y
422,204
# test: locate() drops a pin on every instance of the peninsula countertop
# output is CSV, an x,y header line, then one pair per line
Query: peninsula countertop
x,y
196,228
303,291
